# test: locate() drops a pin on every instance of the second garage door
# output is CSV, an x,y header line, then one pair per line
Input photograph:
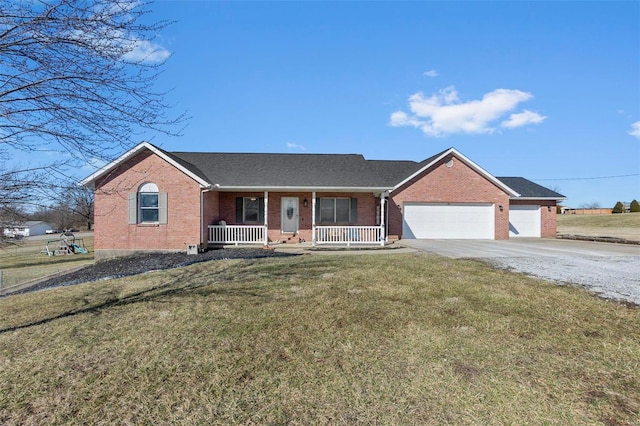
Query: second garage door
x,y
448,221
524,221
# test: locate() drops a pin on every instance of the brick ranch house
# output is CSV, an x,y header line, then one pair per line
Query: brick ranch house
x,y
151,199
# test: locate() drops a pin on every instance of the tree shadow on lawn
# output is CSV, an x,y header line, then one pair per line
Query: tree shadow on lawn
x,y
203,283
200,283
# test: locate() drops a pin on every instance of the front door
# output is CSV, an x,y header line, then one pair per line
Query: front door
x,y
289,214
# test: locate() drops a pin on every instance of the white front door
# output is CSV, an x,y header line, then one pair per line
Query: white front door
x,y
289,214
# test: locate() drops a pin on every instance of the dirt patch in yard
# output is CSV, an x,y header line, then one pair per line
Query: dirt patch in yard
x,y
141,263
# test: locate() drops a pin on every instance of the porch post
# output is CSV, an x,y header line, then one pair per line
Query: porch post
x,y
266,218
382,203
313,218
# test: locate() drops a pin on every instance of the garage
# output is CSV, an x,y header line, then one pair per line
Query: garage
x,y
524,221
449,221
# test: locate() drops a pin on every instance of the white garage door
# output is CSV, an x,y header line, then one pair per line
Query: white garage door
x,y
524,221
451,221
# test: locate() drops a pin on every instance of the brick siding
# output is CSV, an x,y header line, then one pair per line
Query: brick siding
x,y
456,184
112,230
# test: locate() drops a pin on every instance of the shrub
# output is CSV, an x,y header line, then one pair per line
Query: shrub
x,y
618,208
635,206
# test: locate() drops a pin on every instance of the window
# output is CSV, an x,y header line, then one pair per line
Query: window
x,y
148,205
338,210
250,210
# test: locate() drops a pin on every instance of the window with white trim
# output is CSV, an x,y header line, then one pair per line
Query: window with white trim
x,y
148,204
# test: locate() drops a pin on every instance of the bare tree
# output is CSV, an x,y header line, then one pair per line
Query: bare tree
x,y
77,78
78,201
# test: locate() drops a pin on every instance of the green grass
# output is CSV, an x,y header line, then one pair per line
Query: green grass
x,y
24,261
368,339
625,225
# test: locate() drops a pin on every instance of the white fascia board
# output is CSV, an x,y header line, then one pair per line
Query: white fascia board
x,y
90,180
301,189
538,198
104,169
470,163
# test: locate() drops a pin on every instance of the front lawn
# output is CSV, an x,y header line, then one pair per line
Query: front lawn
x,y
366,339
622,225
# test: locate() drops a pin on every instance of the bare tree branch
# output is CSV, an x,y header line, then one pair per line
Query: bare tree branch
x,y
76,77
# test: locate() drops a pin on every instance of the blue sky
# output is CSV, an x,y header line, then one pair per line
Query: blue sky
x,y
545,90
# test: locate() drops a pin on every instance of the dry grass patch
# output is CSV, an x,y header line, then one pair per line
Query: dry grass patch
x,y
625,225
24,261
401,339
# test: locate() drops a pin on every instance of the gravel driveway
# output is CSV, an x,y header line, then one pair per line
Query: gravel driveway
x,y
610,270
616,277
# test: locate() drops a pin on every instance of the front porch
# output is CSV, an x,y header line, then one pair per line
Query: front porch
x,y
320,218
258,234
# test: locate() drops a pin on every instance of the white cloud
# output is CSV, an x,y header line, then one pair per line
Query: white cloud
x,y
635,129
443,113
147,52
522,119
291,145
430,73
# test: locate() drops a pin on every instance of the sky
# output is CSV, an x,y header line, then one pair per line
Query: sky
x,y
545,90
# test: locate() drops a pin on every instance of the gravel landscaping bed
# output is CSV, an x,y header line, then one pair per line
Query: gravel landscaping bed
x,y
141,263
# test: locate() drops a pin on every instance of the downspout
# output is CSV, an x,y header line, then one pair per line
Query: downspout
x,y
204,230
203,237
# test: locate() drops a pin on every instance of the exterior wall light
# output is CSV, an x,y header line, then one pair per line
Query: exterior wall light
x,y
501,208
305,203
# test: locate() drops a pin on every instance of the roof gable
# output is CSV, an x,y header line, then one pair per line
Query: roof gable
x,y
90,180
429,162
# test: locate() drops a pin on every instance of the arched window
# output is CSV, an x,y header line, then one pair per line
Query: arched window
x,y
148,205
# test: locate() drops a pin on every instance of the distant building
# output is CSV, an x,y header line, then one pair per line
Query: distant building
x,y
26,229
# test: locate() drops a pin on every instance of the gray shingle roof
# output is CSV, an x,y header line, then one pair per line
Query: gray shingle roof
x,y
528,189
255,170
293,170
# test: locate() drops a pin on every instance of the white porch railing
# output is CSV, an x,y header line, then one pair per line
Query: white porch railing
x,y
349,235
237,234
